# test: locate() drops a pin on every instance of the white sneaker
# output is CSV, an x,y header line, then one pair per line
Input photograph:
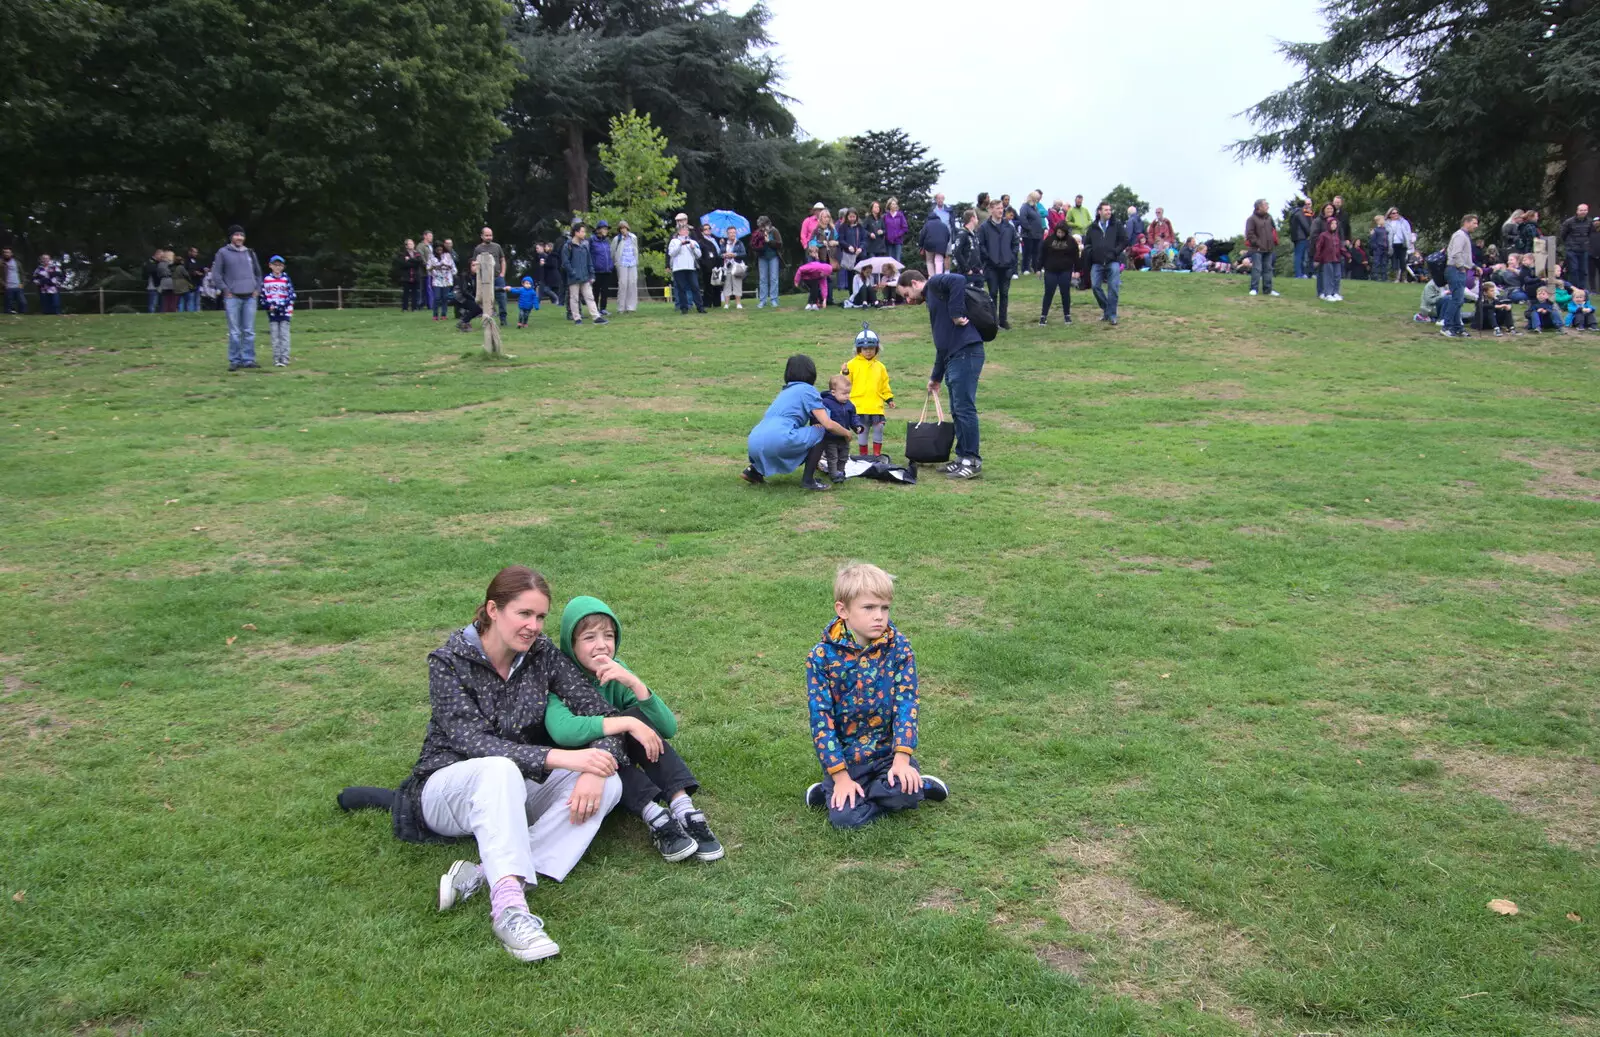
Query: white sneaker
x,y
1254,292
738,305
523,935
462,880
1337,297
1276,295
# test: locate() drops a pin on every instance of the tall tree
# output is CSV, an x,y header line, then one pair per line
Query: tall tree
x,y
889,162
332,121
643,187
1492,105
1122,196
688,64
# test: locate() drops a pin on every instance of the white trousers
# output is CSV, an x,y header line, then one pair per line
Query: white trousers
x,y
578,296
627,289
733,291
523,827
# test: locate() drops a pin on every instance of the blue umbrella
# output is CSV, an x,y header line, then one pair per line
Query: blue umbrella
x,y
722,219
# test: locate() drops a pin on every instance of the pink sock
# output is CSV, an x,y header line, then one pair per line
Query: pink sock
x,y
506,893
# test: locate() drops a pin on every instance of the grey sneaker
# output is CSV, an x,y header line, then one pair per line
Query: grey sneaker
x,y
970,468
523,935
670,840
462,880
949,469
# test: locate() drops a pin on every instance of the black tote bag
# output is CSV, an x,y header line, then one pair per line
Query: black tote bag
x,y
929,442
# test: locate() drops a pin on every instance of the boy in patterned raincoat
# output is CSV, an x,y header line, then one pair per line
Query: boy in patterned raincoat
x,y
861,686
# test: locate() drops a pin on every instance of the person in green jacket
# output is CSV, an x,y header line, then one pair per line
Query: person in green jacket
x,y
1079,218
590,634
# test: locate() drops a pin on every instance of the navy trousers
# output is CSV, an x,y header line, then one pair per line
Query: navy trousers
x,y
880,798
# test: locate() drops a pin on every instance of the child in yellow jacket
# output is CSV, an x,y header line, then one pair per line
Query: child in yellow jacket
x,y
869,390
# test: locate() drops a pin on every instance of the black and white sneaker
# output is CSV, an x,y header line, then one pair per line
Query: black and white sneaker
x,y
934,790
969,468
670,840
707,847
815,796
815,484
950,467
1043,321
750,475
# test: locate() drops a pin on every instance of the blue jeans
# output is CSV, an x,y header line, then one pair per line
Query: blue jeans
x,y
895,250
961,375
1328,277
1108,276
1450,305
441,301
879,798
1302,268
1380,264
1261,270
768,289
241,329
189,302
1578,268
16,302
50,303
500,298
686,290
152,300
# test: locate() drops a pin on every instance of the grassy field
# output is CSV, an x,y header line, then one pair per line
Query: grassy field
x,y
1261,658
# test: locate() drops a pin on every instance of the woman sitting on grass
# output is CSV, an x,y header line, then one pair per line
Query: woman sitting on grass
x,y
488,767
790,434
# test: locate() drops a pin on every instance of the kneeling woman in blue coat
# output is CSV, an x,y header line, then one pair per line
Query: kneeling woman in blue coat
x,y
790,433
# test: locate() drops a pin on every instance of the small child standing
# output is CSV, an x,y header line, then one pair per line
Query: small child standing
x,y
1580,314
527,301
861,686
836,449
277,295
590,633
869,390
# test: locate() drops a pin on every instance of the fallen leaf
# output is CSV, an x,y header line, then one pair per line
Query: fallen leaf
x,y
248,626
1502,907
196,529
1573,916
172,500
662,510
232,639
1164,676
305,430
167,805
127,684
20,895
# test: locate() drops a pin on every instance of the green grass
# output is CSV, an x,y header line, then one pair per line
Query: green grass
x,y
1260,659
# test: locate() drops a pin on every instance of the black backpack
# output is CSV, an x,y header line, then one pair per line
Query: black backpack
x,y
980,313
1436,268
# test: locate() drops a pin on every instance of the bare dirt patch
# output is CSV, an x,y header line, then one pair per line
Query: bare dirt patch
x,y
1561,792
1548,562
1088,377
412,416
117,1026
1071,961
1356,725
940,898
1563,474
1156,951
1214,390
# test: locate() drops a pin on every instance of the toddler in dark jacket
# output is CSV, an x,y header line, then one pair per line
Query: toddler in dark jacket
x,y
836,449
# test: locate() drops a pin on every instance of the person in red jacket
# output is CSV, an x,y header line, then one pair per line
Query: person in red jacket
x,y
1328,255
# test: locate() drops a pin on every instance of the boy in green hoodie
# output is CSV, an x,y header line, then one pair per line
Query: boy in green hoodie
x,y
590,634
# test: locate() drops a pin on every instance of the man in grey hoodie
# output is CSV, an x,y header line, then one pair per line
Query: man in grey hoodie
x,y
237,272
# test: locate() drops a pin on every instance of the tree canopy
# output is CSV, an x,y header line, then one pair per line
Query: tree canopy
x,y
1488,106
310,122
1122,196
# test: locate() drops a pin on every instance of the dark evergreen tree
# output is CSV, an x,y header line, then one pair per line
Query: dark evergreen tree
x,y
1122,196
1490,105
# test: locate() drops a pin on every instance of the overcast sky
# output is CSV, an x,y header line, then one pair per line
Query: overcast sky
x,y
1067,96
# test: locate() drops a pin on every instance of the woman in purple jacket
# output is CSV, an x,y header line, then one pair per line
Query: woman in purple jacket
x,y
894,228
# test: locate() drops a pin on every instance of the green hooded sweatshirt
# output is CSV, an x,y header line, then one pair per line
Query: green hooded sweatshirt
x,y
574,731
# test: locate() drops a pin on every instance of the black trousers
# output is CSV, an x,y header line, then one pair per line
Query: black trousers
x,y
605,286
1054,279
999,278
644,782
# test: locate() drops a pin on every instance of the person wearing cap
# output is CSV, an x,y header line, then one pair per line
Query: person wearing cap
x,y
605,266
869,390
808,226
277,295
625,253
237,273
683,257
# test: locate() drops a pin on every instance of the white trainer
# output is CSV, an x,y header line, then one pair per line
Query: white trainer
x,y
462,880
523,935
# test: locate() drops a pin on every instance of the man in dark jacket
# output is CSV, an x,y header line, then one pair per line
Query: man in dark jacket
x,y
1343,218
1105,244
1302,228
1261,235
411,268
1031,225
1135,224
1575,234
957,359
934,245
966,258
997,247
